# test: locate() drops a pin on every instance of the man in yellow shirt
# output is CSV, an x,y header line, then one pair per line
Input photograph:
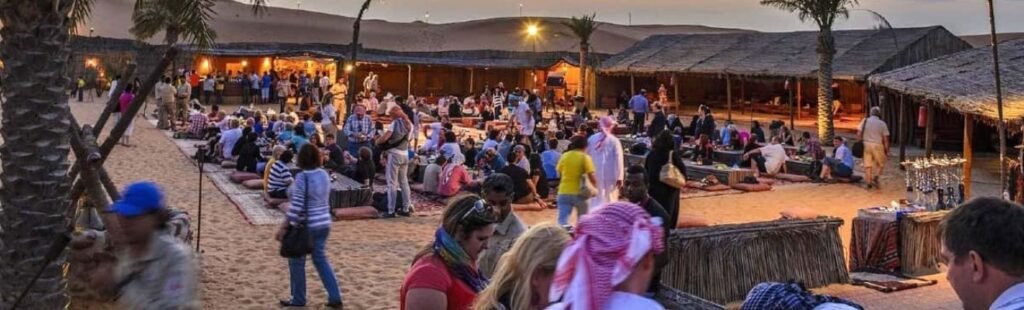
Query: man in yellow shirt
x,y
572,167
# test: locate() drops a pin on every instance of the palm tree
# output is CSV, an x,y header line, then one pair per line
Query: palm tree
x,y
176,18
353,54
35,131
824,14
583,27
36,134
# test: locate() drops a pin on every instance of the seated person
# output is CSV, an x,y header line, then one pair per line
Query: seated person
x,y
770,159
704,150
365,169
275,155
525,189
280,176
299,139
335,160
540,180
249,154
286,133
490,161
549,159
450,146
197,124
470,151
453,177
228,139
432,174
748,146
519,158
841,165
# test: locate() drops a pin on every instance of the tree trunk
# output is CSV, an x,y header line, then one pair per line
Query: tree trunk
x,y
826,50
583,70
35,152
353,55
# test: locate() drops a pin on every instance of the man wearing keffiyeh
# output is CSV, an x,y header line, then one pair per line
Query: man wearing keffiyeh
x,y
610,262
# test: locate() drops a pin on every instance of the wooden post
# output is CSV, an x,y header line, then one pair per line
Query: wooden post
x,y
968,152
799,97
929,130
902,130
471,90
675,93
632,85
728,96
792,113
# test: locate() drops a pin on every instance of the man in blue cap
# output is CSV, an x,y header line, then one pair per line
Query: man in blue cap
x,y
154,269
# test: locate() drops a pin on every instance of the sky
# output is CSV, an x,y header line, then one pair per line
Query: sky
x,y
962,17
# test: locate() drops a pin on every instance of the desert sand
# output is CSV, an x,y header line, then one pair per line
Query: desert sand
x,y
241,268
235,23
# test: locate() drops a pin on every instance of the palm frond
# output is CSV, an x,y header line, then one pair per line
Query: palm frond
x,y
81,10
582,27
258,7
822,12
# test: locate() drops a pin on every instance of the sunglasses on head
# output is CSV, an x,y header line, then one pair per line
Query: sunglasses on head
x,y
481,212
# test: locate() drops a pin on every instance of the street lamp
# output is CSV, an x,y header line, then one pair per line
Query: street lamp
x,y
533,33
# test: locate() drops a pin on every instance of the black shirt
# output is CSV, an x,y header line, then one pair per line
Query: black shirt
x,y
542,182
335,159
519,178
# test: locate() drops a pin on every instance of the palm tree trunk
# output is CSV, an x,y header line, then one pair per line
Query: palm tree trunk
x,y
353,55
583,69
826,50
35,152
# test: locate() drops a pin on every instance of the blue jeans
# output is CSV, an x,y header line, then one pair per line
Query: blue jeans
x,y
566,203
297,270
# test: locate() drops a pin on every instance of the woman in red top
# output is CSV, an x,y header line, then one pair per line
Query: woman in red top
x,y
444,274
453,176
123,103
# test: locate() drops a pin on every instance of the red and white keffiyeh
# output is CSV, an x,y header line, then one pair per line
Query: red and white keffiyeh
x,y
608,245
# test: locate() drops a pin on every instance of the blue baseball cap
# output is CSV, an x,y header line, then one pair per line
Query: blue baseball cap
x,y
138,199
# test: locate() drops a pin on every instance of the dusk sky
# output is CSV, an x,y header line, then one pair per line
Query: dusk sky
x,y
959,16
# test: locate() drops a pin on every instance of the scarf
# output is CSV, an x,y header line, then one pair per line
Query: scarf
x,y
609,243
457,261
606,124
449,169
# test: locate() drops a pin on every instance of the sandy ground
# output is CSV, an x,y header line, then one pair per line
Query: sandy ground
x,y
241,268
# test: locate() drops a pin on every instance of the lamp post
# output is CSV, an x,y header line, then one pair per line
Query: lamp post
x,y
532,33
91,30
999,95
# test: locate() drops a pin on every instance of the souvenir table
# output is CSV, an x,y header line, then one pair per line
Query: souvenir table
x,y
726,175
901,239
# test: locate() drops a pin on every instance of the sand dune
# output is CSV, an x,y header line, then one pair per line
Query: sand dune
x,y
235,23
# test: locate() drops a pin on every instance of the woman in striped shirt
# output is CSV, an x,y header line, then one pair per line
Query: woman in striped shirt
x,y
280,176
310,205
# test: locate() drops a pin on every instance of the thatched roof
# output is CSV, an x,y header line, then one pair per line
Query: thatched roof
x,y
859,53
964,82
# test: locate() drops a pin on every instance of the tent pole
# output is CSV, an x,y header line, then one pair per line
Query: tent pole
x,y
929,130
799,96
675,93
632,85
471,71
902,130
408,85
968,152
999,95
792,113
728,96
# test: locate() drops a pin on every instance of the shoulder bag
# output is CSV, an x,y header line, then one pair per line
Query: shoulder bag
x,y
858,147
587,188
670,174
297,241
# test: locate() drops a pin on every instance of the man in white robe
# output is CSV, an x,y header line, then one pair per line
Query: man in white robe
x,y
606,152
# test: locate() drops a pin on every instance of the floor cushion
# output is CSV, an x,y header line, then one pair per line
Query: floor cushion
x,y
768,181
710,188
355,213
227,164
792,177
851,179
240,177
799,214
253,184
687,221
273,202
752,187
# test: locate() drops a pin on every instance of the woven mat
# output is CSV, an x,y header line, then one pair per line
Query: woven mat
x,y
248,202
422,204
888,283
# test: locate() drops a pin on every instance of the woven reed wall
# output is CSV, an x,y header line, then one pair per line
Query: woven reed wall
x,y
722,263
674,299
920,246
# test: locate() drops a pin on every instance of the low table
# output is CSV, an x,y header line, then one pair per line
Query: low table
x,y
728,157
347,193
633,160
797,167
729,176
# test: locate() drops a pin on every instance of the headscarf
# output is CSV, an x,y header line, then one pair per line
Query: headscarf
x,y
605,124
449,168
608,245
457,261
786,296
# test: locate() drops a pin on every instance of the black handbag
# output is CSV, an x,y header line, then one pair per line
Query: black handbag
x,y
858,147
297,241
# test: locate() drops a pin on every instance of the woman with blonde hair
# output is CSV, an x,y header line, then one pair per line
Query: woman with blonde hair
x,y
524,273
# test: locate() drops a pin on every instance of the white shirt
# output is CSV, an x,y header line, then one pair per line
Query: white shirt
x,y
254,81
435,135
450,149
525,117
874,130
327,113
113,86
442,107
619,300
1011,299
325,82
774,157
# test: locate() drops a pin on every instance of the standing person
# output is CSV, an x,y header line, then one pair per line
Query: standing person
x,y
325,83
610,262
181,99
254,88
124,102
79,88
639,106
574,165
154,269
524,116
635,190
394,145
209,85
498,192
282,93
165,103
328,119
706,123
757,132
444,274
606,152
339,91
983,253
244,85
265,87
222,80
662,152
113,86
875,135
195,81
841,164
309,204
524,274
359,129
658,123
